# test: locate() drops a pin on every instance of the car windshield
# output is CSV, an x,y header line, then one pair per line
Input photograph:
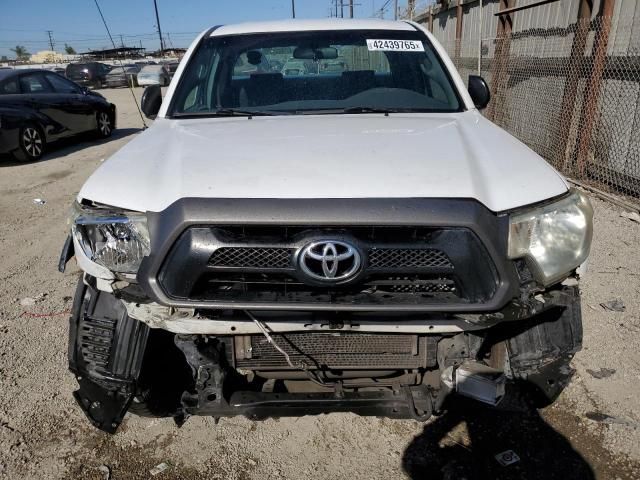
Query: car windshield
x,y
352,71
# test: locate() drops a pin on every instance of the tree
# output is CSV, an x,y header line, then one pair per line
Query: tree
x,y
4,58
69,49
21,52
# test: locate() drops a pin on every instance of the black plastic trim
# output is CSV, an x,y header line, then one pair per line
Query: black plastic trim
x,y
165,227
106,348
68,251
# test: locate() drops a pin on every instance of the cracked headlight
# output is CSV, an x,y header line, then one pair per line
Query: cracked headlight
x,y
115,239
554,238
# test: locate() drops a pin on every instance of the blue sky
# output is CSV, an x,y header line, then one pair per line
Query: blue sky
x,y
77,22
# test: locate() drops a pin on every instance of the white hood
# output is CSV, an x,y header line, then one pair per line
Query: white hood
x,y
325,156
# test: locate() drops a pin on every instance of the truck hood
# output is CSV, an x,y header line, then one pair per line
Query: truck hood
x,y
460,155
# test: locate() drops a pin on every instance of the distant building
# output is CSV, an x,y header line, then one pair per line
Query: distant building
x,y
49,56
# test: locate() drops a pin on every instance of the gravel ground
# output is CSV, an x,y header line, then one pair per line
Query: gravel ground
x,y
591,432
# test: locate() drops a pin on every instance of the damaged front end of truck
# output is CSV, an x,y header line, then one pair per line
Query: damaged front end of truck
x,y
311,313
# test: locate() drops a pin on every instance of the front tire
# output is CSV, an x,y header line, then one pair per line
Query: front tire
x,y
32,144
104,127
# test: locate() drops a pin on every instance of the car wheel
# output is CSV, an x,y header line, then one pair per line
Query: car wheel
x,y
32,144
105,125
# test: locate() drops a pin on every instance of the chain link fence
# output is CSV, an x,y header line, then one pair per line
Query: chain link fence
x,y
571,94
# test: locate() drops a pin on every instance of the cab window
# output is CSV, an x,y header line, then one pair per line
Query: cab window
x,y
34,83
62,85
10,87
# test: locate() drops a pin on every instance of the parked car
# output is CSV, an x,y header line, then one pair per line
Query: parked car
x,y
123,76
38,107
367,242
294,68
90,74
153,75
171,68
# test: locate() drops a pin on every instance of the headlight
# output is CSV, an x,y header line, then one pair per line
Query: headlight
x,y
554,238
116,240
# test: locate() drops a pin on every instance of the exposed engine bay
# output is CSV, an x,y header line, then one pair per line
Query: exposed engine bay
x,y
124,365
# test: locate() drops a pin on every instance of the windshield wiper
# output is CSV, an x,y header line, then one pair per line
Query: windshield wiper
x,y
237,111
226,112
369,110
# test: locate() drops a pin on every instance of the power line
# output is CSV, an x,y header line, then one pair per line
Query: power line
x,y
135,100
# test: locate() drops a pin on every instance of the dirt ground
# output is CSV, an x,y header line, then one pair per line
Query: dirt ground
x,y
593,431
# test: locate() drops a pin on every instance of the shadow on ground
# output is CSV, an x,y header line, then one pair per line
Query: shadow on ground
x,y
70,145
447,450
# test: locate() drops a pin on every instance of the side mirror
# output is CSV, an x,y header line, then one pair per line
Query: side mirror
x,y
479,91
151,101
84,90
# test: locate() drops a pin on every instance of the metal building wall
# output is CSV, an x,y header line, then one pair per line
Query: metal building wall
x,y
538,72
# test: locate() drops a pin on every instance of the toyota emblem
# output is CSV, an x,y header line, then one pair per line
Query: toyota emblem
x,y
330,261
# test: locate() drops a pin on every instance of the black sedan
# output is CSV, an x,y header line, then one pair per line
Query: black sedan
x,y
39,106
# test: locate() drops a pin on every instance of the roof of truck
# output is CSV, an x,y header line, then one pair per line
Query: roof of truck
x,y
318,24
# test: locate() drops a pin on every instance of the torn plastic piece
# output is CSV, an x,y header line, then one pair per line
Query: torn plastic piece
x,y
39,201
508,457
158,469
106,472
602,373
615,305
633,216
480,382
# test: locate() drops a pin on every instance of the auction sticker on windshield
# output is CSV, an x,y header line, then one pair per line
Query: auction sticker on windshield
x,y
395,45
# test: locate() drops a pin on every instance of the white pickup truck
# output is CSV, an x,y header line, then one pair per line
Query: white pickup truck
x,y
354,239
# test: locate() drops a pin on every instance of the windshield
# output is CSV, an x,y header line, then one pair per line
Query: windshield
x,y
349,71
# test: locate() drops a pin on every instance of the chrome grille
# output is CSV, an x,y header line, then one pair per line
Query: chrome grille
x,y
251,257
408,258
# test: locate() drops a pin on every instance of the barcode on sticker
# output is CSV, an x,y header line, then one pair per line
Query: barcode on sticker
x,y
395,45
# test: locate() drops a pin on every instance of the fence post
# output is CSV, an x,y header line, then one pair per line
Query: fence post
x,y
431,18
592,91
458,34
569,95
503,44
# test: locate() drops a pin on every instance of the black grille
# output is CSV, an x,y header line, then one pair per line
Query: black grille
x,y
339,351
402,266
415,285
96,337
278,258
408,258
251,257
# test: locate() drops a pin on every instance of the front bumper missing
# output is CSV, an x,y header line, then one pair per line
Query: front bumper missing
x,y
539,349
191,321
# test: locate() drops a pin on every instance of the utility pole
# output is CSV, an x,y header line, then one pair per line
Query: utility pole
x,y
350,8
293,8
121,41
395,10
51,44
155,4
341,9
336,8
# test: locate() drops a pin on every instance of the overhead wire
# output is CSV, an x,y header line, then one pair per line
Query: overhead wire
x,y
135,100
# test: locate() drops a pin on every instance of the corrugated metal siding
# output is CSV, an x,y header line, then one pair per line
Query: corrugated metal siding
x,y
625,28
529,101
